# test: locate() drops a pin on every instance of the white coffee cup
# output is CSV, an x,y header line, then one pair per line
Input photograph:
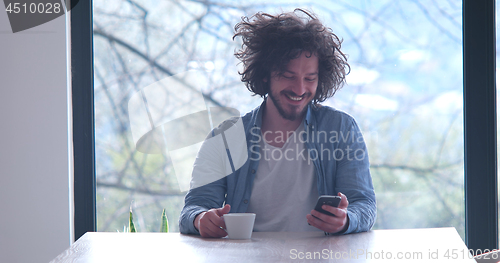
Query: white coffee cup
x,y
239,225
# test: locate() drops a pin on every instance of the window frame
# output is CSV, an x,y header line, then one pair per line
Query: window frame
x,y
82,88
480,127
480,160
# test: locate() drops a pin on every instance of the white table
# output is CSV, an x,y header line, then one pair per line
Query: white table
x,y
401,245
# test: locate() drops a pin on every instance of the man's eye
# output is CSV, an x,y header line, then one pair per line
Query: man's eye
x,y
287,77
311,80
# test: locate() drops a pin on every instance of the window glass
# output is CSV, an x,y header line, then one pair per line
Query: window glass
x,y
404,90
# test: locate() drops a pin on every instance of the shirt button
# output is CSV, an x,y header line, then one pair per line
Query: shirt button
x,y
253,171
245,201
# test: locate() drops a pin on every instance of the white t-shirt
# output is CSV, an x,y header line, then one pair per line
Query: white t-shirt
x,y
285,187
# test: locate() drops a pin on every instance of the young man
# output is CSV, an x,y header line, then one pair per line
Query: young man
x,y
297,148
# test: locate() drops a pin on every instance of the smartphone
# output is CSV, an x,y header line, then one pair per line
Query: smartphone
x,y
331,200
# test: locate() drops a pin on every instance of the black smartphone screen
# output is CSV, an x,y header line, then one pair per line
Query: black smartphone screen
x,y
330,200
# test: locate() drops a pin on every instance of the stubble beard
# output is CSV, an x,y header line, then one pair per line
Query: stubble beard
x,y
292,115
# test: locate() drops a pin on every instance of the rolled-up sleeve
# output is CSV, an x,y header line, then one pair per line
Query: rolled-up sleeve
x,y
353,179
208,183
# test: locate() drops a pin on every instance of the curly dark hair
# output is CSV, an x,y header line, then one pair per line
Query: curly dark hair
x,y
270,42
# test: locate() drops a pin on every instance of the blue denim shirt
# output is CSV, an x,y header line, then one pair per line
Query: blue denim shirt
x,y
335,144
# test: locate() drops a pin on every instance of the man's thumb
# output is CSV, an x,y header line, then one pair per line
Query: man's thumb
x,y
224,210
344,203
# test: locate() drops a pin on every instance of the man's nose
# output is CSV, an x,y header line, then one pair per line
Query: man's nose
x,y
300,87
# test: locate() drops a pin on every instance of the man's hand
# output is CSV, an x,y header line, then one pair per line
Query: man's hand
x,y
211,223
331,224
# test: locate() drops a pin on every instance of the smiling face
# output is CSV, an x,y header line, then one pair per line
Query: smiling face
x,y
291,90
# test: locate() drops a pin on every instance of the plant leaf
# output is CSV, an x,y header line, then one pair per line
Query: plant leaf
x,y
164,222
131,223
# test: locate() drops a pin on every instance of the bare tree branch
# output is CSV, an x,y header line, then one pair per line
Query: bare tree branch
x,y
152,62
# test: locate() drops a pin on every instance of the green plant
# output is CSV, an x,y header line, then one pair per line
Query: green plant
x,y
131,227
164,222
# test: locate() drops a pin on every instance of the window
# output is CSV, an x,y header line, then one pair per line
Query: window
x,y
404,90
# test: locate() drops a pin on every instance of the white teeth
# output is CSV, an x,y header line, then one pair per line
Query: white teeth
x,y
294,98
